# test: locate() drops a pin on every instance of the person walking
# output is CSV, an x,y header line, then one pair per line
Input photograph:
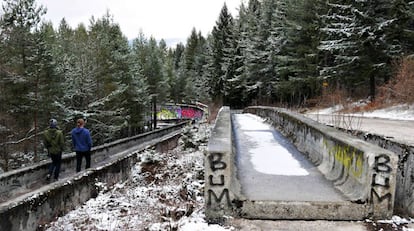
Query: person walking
x,y
55,143
82,143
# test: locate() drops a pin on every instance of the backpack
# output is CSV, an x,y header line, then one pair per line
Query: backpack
x,y
54,141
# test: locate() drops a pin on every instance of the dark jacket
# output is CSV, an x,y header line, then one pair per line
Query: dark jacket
x,y
54,141
81,139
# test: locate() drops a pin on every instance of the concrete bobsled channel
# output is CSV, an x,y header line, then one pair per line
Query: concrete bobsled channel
x,y
27,208
364,173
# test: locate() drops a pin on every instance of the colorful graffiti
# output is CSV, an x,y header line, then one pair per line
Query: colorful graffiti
x,y
179,112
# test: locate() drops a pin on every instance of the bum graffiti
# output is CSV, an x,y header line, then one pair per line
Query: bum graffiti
x,y
380,186
217,180
352,161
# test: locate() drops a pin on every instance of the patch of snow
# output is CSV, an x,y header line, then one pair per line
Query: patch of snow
x,y
197,223
397,112
328,110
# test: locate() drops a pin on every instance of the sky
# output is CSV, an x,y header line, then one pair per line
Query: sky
x,y
161,19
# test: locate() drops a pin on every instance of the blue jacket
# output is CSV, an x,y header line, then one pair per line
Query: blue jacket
x,y
81,139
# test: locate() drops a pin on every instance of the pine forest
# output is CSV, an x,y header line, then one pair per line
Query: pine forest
x,y
274,52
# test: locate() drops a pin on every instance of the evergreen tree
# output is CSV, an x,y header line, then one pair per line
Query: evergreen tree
x,y
381,40
201,93
134,100
219,56
250,42
237,94
304,37
110,65
338,44
176,90
23,62
191,68
295,40
149,56
48,90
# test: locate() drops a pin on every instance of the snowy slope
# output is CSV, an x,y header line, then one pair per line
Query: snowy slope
x,y
163,193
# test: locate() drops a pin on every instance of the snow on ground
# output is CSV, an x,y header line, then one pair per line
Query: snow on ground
x,y
397,112
164,192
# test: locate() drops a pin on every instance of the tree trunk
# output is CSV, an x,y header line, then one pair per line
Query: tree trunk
x,y
372,86
154,102
35,118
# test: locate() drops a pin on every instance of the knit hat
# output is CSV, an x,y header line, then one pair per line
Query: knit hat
x,y
53,123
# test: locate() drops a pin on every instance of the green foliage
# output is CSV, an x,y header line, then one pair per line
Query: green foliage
x,y
219,54
272,52
277,45
71,73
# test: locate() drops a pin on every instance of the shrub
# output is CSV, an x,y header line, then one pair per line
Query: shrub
x,y
400,89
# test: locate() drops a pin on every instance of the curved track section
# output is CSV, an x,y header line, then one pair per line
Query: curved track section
x,y
27,200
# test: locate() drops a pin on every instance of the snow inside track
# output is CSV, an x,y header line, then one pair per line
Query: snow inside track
x,y
268,155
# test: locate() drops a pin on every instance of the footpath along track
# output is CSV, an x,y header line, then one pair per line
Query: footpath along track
x,y
12,186
22,189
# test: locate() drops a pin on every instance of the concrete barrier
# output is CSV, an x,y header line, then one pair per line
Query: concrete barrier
x,y
21,180
31,210
363,172
404,194
222,190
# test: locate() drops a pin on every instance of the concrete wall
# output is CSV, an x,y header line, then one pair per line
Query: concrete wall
x,y
363,172
58,198
22,180
404,194
29,211
221,190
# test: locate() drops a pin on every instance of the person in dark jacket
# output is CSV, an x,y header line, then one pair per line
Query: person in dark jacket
x,y
82,143
55,143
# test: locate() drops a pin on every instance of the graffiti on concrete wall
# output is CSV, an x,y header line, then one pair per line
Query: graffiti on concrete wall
x,y
191,113
353,162
216,180
179,112
380,187
350,158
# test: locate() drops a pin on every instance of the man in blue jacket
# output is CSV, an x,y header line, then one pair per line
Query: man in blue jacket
x,y
82,143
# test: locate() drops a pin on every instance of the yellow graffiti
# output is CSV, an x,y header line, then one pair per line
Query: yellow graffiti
x,y
166,114
349,158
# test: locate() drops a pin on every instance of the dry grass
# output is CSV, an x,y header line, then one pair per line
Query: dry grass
x,y
400,89
331,96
